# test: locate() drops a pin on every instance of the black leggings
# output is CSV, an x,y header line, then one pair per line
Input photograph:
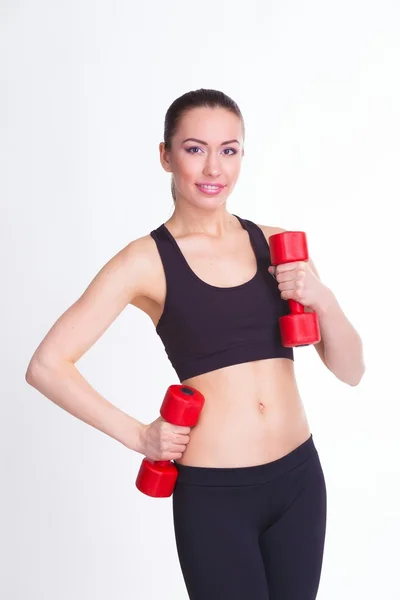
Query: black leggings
x,y
252,533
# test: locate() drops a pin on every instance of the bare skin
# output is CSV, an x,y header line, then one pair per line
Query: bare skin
x,y
253,412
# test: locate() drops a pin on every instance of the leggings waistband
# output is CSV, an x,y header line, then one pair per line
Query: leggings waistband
x,y
221,476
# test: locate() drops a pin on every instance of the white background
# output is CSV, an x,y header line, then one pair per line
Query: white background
x,y
84,90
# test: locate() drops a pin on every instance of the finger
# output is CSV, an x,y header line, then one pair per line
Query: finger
x,y
180,429
287,285
290,266
286,276
297,275
178,448
182,439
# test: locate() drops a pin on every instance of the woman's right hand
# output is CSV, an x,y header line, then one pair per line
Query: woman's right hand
x,y
161,440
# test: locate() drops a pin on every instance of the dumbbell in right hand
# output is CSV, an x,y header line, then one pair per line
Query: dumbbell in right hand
x,y
181,406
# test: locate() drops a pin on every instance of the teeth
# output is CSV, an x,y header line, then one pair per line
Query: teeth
x,y
210,187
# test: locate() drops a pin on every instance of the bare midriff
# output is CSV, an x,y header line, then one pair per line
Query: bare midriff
x,y
252,414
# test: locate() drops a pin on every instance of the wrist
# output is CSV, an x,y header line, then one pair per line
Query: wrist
x,y
129,431
138,439
326,302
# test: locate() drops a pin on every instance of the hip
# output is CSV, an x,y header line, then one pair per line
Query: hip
x,y
246,432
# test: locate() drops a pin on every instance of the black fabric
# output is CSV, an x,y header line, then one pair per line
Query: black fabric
x,y
204,327
252,533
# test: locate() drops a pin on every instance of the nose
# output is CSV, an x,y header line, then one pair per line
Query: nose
x,y
212,167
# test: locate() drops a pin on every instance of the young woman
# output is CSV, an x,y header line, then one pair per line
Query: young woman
x,y
249,505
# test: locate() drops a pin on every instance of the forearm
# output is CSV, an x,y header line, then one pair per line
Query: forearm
x,y
343,350
65,386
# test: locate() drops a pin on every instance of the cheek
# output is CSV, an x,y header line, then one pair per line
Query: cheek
x,y
186,168
233,169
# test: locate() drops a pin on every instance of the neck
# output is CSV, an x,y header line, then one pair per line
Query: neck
x,y
214,223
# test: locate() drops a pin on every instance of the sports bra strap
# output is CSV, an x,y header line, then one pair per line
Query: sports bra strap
x,y
258,240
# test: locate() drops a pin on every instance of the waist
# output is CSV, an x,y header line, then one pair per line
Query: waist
x,y
245,353
247,475
268,380
246,419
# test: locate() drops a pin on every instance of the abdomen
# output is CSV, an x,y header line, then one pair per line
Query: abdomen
x,y
252,414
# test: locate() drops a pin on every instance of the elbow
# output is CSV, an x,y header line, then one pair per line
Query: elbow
x,y
356,380
352,379
39,368
32,372
353,383
35,370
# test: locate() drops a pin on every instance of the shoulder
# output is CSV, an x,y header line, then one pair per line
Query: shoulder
x,y
137,263
139,253
271,230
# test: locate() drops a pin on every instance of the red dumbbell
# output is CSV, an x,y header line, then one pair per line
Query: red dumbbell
x,y
181,406
298,328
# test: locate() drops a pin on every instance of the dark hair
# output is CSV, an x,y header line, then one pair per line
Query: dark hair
x,y
195,99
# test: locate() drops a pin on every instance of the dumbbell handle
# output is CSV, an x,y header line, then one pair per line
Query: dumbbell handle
x,y
295,307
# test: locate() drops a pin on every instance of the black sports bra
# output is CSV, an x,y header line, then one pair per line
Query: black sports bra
x,y
204,327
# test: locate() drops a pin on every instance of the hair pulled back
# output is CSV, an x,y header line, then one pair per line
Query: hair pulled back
x,y
195,99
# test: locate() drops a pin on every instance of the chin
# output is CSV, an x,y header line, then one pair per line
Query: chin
x,y
211,203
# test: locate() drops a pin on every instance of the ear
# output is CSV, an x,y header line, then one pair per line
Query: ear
x,y
164,158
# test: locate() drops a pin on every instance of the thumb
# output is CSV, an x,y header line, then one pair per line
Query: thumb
x,y
272,270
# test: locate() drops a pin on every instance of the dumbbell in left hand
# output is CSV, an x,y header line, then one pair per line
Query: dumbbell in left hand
x,y
299,328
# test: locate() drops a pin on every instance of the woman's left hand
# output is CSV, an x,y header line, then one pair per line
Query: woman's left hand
x,y
297,281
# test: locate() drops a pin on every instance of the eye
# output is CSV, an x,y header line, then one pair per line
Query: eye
x,y
192,148
189,150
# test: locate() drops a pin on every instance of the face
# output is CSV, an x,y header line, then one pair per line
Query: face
x,y
209,159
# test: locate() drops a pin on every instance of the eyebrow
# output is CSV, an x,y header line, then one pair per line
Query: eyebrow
x,y
205,143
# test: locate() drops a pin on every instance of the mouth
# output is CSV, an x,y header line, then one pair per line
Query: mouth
x,y
210,188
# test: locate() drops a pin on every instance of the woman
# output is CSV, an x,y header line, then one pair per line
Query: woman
x,y
249,505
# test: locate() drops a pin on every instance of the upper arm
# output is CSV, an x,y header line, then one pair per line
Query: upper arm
x,y
319,346
120,280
